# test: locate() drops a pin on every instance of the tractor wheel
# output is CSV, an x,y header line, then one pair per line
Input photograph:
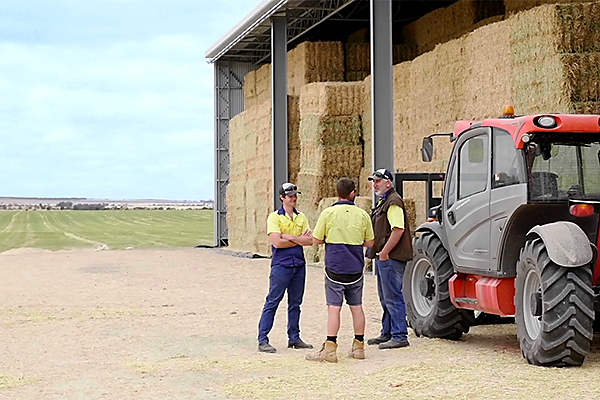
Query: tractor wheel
x,y
428,307
554,309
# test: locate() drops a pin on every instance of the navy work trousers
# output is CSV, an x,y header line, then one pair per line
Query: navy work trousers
x,y
281,279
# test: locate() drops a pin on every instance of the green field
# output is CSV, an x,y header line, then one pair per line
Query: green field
x,y
116,229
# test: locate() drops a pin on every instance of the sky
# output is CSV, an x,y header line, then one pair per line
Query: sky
x,y
109,99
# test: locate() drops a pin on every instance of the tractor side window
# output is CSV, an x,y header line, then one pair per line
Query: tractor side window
x,y
508,165
473,166
451,182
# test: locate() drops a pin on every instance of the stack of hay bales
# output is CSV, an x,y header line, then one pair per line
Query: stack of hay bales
x,y
306,63
331,140
314,62
249,193
293,138
358,61
358,58
448,23
541,60
515,6
579,45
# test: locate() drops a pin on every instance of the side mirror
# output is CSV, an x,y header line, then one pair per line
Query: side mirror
x,y
427,149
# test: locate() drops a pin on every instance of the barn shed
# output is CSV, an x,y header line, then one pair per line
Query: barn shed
x,y
311,91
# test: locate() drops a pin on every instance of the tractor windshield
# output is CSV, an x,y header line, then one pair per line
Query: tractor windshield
x,y
562,171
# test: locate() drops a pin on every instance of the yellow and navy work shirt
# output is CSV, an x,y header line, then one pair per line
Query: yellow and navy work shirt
x,y
279,222
345,228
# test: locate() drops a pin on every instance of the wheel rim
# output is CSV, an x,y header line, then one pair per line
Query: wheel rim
x,y
533,323
423,270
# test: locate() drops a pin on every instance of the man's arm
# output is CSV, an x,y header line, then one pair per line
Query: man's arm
x,y
393,240
316,241
369,243
278,242
305,239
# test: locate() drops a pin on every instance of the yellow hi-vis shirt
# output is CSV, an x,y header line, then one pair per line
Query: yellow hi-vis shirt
x,y
395,216
279,222
344,227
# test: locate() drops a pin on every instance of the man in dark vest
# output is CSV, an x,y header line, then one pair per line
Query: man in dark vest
x,y
392,249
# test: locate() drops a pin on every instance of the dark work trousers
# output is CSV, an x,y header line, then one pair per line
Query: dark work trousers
x,y
281,279
389,288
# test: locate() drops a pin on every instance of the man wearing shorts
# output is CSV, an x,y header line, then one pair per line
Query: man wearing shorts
x,y
345,229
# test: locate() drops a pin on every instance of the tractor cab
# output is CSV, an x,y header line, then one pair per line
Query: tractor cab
x,y
515,234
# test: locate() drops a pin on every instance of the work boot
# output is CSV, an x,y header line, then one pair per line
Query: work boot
x,y
266,348
300,345
327,353
378,340
394,344
358,350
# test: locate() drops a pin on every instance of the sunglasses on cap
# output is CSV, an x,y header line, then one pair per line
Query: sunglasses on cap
x,y
288,189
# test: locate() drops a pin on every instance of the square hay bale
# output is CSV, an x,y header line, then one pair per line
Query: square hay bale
x,y
263,84
404,52
360,36
344,130
357,57
538,80
441,25
339,98
314,62
579,25
250,97
294,122
489,54
331,161
293,165
582,73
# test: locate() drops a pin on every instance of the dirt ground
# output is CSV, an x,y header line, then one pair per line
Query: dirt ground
x,y
181,324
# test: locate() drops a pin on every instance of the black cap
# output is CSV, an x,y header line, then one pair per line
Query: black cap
x,y
381,173
288,189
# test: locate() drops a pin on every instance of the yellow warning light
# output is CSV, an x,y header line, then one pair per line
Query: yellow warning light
x,y
509,112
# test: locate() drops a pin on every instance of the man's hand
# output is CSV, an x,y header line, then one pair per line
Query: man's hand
x,y
383,256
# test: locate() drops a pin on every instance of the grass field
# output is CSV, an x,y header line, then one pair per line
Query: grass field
x,y
57,230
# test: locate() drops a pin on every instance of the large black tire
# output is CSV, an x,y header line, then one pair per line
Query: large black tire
x,y
554,309
425,286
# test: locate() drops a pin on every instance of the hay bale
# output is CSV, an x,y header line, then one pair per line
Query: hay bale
x,y
263,84
538,80
358,61
359,36
582,73
441,25
294,122
404,52
249,86
332,98
319,130
314,62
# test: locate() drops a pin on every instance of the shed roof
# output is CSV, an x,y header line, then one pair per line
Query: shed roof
x,y
250,39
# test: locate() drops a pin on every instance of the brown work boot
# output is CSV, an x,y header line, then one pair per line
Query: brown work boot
x,y
327,353
358,350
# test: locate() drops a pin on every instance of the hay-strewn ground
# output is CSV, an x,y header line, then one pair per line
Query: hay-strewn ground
x,y
181,324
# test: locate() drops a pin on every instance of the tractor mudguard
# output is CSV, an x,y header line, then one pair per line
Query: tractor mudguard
x,y
567,244
436,228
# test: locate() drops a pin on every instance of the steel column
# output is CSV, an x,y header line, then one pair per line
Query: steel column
x,y
279,104
382,106
229,102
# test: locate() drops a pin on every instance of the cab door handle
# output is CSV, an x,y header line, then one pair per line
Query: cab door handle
x,y
451,218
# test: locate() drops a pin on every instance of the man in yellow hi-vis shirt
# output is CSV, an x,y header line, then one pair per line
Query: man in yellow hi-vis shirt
x,y
345,229
288,231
